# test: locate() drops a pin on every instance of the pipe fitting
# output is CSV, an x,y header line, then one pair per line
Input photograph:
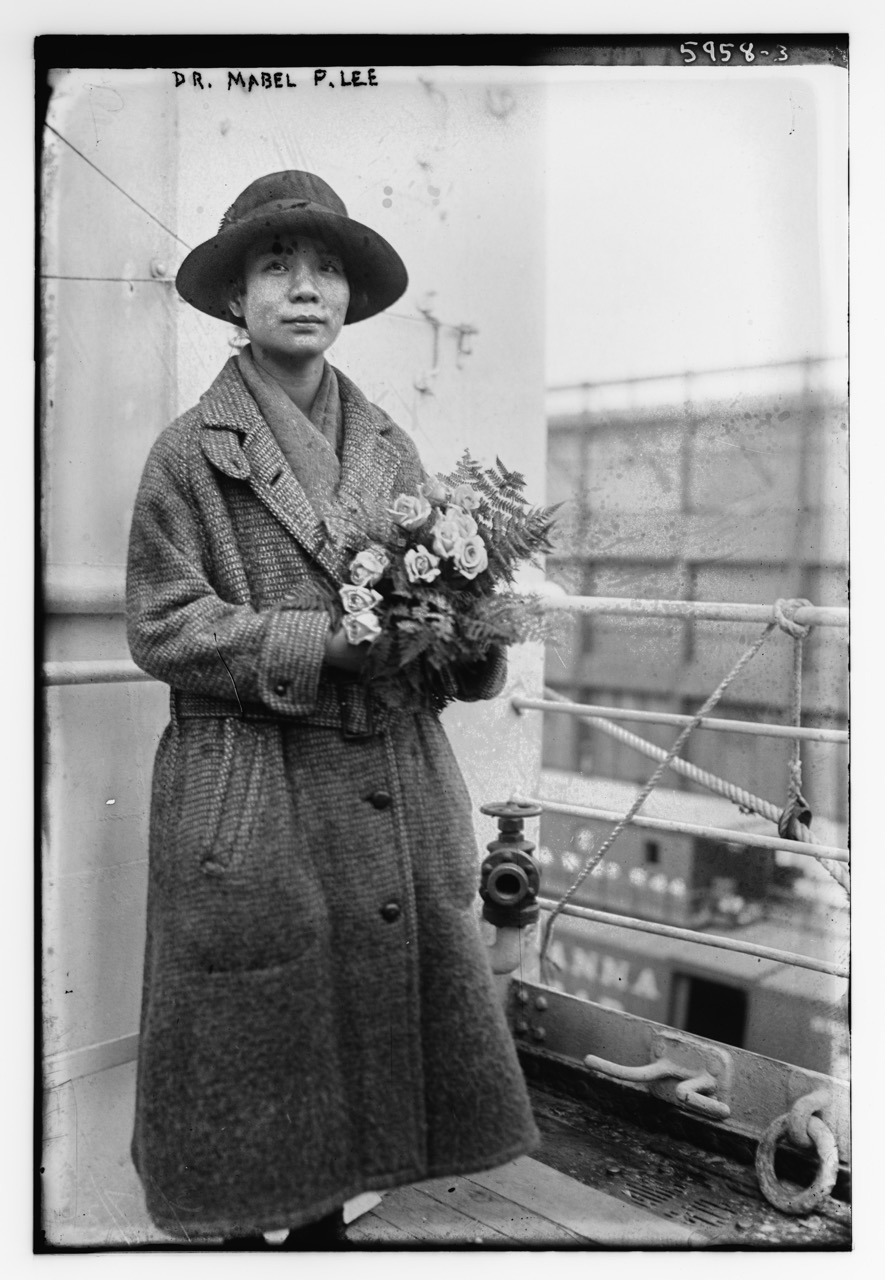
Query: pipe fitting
x,y
511,878
508,950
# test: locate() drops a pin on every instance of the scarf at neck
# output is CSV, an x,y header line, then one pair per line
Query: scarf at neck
x,y
310,445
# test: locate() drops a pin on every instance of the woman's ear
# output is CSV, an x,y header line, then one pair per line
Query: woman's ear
x,y
238,288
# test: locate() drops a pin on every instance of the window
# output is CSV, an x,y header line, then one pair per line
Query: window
x,y
710,1009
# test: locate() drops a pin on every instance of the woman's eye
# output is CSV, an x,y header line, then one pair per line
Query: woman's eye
x,y
330,265
277,265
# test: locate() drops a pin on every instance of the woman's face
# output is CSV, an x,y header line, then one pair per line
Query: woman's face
x,y
294,299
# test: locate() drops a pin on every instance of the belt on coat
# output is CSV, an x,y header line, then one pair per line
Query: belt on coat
x,y
342,704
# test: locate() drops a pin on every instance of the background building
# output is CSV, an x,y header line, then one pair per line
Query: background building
x,y
729,487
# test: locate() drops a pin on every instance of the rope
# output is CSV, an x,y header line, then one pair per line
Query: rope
x,y
745,800
794,822
646,791
122,190
796,809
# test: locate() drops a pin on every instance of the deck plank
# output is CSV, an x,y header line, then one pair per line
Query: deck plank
x,y
413,1211
493,1210
371,1229
592,1214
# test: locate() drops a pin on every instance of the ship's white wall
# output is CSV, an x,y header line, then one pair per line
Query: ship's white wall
x,y
450,172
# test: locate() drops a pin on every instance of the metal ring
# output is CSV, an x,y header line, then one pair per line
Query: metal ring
x,y
800,1202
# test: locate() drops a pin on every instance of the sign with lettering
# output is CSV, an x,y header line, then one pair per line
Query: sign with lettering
x,y
611,978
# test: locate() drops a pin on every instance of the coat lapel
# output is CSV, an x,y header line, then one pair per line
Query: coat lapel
x,y
369,461
237,441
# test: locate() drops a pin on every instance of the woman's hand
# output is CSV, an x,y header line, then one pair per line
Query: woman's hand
x,y
343,655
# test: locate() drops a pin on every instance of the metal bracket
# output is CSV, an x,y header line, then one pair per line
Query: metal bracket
x,y
425,381
712,1071
755,1088
684,1070
464,334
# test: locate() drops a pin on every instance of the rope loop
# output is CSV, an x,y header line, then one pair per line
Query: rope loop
x,y
795,816
800,1114
805,1201
785,611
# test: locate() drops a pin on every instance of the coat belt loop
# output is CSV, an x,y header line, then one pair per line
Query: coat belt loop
x,y
348,706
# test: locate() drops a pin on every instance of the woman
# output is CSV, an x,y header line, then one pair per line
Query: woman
x,y
319,1018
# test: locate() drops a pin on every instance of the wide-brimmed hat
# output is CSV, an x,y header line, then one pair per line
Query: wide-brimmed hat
x,y
287,202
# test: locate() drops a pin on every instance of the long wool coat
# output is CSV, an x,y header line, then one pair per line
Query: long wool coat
x,y
319,1017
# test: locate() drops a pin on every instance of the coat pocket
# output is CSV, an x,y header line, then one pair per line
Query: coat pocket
x,y
224,796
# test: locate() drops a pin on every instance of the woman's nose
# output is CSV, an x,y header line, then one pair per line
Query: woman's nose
x,y
302,281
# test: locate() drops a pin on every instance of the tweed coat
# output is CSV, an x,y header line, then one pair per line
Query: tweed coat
x,y
319,1016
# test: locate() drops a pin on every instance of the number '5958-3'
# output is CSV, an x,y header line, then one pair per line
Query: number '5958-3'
x,y
725,54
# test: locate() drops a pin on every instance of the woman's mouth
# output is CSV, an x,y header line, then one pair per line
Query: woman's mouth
x,y
304,320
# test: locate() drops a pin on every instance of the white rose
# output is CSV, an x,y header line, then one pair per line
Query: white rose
x,y
464,521
421,565
471,557
367,567
466,497
451,528
433,490
358,599
361,627
410,510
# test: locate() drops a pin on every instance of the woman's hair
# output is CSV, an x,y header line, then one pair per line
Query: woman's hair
x,y
358,297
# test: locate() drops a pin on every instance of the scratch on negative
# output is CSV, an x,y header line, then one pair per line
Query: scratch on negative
x,y
228,670
105,1203
171,1204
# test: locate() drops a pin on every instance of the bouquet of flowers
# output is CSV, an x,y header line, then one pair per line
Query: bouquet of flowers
x,y
431,590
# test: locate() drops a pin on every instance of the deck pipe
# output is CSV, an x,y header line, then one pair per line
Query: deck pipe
x,y
510,883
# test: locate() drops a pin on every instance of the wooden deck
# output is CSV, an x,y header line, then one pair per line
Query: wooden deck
x,y
523,1204
98,1202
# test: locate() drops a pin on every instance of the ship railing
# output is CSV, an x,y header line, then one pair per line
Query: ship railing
x,y
737,1091
554,599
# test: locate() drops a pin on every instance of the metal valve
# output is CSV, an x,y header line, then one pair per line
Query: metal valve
x,y
511,878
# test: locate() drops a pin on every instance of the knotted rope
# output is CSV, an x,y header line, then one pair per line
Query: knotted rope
x,y
796,811
794,821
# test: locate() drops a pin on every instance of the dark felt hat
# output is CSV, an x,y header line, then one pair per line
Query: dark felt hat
x,y
285,203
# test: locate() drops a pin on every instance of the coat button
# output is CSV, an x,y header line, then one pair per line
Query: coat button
x,y
390,912
281,689
380,799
